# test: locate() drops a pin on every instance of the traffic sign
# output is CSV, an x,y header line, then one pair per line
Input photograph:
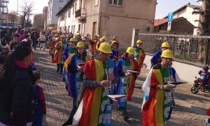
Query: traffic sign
x,y
170,17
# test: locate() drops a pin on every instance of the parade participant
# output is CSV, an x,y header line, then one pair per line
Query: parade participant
x,y
42,40
64,42
92,47
70,48
103,39
139,54
68,51
115,52
52,44
95,105
39,99
156,57
16,88
59,48
85,40
158,100
126,80
73,66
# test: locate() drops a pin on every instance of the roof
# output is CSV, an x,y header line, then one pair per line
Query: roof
x,y
185,6
158,22
65,7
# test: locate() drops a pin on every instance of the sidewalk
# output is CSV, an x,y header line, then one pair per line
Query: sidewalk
x,y
189,111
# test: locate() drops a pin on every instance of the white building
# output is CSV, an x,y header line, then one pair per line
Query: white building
x,y
3,11
186,11
54,6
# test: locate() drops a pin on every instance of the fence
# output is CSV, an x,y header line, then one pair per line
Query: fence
x,y
184,47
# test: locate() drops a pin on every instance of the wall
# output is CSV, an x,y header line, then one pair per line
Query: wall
x,y
185,71
119,20
92,7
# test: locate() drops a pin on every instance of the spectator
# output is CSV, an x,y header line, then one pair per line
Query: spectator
x,y
42,40
16,88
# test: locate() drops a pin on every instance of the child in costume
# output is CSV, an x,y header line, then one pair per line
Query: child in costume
x,y
39,99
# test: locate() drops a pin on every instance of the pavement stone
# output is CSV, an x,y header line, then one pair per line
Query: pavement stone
x,y
190,109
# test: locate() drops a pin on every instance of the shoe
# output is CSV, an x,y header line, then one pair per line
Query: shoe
x,y
126,117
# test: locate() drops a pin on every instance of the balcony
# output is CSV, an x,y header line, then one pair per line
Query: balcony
x,y
80,14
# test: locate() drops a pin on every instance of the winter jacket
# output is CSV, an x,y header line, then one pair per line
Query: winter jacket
x,y
16,107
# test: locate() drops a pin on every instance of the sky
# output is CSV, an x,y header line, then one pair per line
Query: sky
x,y
37,8
166,6
162,9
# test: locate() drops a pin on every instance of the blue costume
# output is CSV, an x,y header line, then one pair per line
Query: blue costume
x,y
156,57
40,106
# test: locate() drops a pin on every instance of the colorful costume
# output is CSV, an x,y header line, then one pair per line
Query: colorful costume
x,y
114,55
41,106
139,56
158,103
73,76
59,48
95,108
156,57
125,84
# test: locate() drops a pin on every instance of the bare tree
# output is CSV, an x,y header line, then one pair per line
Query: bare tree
x,y
27,8
12,17
38,21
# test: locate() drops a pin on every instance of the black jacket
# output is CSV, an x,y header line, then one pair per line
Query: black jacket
x,y
16,106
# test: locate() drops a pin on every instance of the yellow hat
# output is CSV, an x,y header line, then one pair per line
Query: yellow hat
x,y
130,50
165,45
105,47
73,40
103,38
63,36
56,35
80,45
167,54
139,41
114,42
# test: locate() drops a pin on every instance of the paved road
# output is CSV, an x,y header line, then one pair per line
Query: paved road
x,y
189,111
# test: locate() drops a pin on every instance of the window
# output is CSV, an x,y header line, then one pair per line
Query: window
x,y
69,13
116,2
73,8
60,0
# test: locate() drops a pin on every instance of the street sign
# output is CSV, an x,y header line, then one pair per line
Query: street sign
x,y
170,17
169,26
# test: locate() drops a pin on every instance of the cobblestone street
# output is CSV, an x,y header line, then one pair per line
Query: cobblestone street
x,y
190,109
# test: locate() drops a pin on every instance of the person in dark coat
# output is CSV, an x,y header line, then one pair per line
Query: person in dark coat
x,y
16,88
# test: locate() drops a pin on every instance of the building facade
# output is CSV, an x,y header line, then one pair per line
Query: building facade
x,y
44,14
3,11
107,17
54,6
